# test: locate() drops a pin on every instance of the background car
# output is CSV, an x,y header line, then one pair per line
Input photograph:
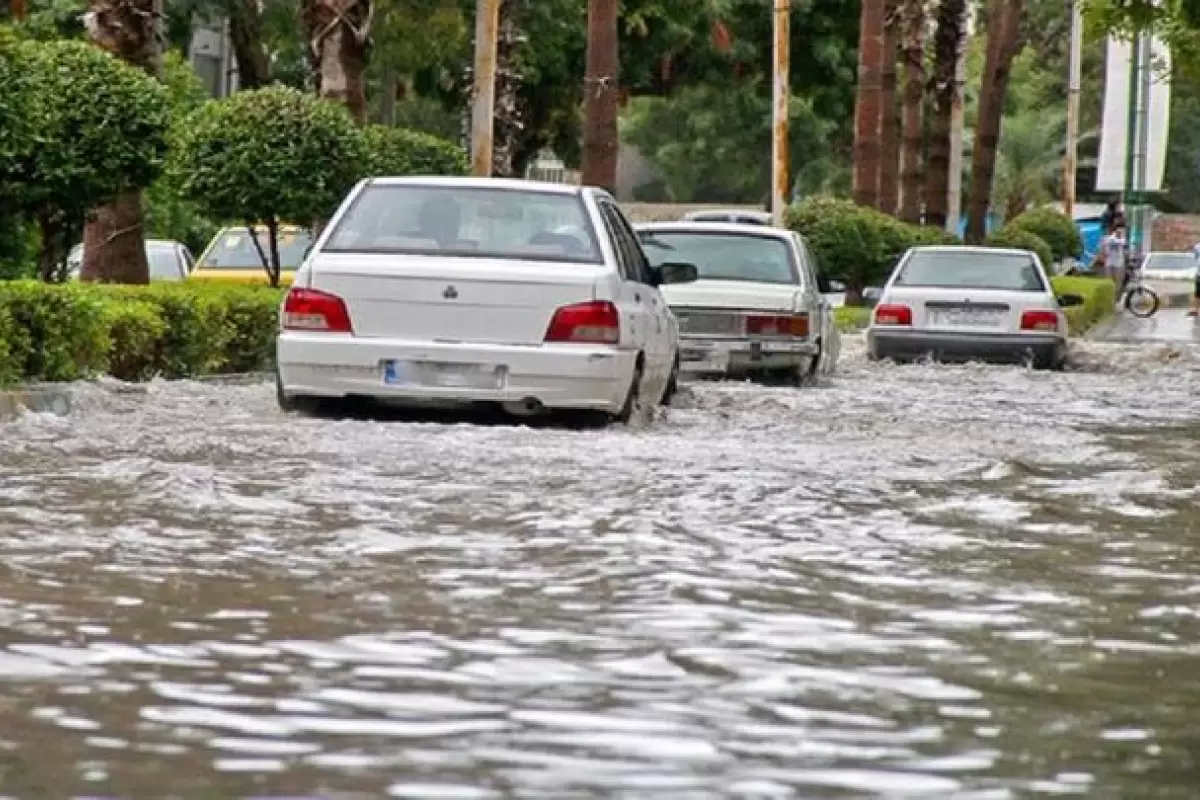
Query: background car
x,y
1167,266
168,260
232,256
756,308
532,296
741,215
960,303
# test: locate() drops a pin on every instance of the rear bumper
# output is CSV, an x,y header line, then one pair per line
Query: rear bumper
x,y
699,355
998,347
558,376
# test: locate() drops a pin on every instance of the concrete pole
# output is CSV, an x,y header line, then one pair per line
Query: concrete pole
x,y
780,190
483,94
1074,76
954,183
601,99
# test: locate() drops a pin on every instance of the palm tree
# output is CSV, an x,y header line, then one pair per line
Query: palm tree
x,y
948,39
889,125
912,19
338,33
867,102
1029,160
114,240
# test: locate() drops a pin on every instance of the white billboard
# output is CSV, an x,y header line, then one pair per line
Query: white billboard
x,y
1114,130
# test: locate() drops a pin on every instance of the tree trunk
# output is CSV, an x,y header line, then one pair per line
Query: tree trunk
x,y
338,33
913,19
114,240
1003,34
868,111
600,97
509,121
889,126
389,86
947,40
245,33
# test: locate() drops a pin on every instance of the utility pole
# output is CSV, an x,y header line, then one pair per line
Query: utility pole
x,y
17,8
954,179
780,190
1074,75
483,94
600,97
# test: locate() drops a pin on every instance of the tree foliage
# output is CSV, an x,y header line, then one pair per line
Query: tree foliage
x,y
1053,227
398,151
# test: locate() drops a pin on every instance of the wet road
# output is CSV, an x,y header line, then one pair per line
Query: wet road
x,y
955,581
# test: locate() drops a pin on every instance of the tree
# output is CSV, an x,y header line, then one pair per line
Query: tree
x,y
338,33
268,156
948,39
1028,161
1003,30
600,96
889,124
912,18
114,240
868,111
396,151
104,129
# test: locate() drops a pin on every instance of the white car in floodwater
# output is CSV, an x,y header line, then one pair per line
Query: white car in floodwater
x,y
532,296
757,307
970,303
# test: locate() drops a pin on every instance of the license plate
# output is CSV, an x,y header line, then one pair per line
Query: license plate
x,y
703,360
965,318
443,375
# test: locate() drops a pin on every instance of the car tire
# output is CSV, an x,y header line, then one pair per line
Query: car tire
x,y
672,384
632,407
292,404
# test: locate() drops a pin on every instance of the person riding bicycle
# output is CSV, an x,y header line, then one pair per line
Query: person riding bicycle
x,y
1195,307
1113,257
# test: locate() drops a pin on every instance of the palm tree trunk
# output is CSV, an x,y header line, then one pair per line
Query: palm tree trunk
x,y
245,33
889,126
947,40
913,19
1003,34
867,104
601,97
114,239
508,122
338,35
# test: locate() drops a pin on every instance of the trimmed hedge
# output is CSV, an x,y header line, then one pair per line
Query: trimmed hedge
x,y
1099,297
1055,228
1021,239
174,330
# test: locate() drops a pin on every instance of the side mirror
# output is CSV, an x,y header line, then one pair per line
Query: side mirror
x,y
837,287
1070,300
676,272
871,296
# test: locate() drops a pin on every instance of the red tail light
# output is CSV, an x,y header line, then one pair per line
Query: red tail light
x,y
312,310
893,315
1039,321
597,323
778,325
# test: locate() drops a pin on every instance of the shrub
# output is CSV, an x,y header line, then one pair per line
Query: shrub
x,y
1057,229
1099,296
399,151
1020,239
268,156
19,139
60,333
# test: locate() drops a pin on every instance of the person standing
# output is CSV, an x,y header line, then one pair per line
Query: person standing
x,y
1195,307
1113,216
1113,248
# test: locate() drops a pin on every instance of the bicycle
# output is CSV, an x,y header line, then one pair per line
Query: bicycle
x,y
1137,298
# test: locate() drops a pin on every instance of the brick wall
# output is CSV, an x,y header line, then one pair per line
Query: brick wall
x,y
1175,232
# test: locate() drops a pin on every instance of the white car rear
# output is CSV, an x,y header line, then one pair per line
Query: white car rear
x,y
970,303
458,290
756,307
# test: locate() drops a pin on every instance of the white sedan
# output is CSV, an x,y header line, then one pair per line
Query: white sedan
x,y
448,291
757,307
965,303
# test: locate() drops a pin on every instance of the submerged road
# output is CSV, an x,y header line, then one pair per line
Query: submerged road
x,y
937,581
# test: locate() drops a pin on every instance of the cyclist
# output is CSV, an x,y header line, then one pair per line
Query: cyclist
x,y
1113,255
1195,307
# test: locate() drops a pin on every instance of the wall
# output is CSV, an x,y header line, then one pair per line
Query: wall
x,y
1175,232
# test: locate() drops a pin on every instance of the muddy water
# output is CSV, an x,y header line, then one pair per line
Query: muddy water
x,y
935,580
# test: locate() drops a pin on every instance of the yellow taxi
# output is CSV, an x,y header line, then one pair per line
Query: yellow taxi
x,y
232,257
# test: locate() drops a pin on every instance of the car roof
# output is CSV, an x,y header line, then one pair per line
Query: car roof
x,y
969,248
703,226
733,212
472,182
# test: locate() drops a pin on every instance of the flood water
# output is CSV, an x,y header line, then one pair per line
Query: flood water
x,y
960,581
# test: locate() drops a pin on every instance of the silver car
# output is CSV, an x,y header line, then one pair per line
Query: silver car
x,y
169,260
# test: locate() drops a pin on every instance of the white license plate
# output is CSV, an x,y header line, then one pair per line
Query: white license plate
x,y
965,318
699,359
443,375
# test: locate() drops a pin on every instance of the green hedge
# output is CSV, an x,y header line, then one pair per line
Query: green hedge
x,y
73,331
1021,239
1055,228
1099,298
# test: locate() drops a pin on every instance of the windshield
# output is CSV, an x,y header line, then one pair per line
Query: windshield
x,y
234,249
164,262
971,269
472,222
1171,262
724,256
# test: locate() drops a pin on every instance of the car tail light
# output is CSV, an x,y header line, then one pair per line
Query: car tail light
x,y
893,315
1039,321
777,325
597,322
313,310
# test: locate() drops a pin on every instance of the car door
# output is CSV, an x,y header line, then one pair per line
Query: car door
x,y
819,307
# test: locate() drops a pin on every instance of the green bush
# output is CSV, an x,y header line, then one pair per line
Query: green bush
x,y
399,151
1057,229
134,332
1099,296
855,244
1021,239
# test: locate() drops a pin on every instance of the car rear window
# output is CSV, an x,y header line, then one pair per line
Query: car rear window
x,y
724,256
971,269
235,250
467,222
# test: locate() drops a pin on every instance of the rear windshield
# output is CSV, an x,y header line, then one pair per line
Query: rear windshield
x,y
1178,262
726,216
235,250
971,269
724,256
467,222
164,262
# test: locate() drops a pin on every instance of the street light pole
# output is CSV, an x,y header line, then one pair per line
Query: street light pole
x,y
779,110
601,99
483,94
1074,77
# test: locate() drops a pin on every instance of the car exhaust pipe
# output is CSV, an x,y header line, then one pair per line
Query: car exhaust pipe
x,y
529,407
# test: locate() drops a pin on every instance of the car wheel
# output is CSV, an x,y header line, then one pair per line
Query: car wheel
x,y
633,400
672,384
292,404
